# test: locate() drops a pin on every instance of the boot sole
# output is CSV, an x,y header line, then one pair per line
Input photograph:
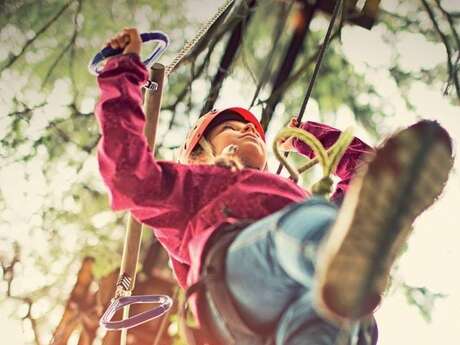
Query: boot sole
x,y
404,178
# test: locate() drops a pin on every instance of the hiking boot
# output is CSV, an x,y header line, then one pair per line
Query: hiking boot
x,y
405,176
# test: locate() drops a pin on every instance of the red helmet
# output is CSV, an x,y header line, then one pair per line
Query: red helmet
x,y
204,121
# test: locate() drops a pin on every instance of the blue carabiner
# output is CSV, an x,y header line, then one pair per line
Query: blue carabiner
x,y
160,37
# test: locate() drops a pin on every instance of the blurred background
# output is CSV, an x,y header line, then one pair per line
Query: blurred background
x,y
388,65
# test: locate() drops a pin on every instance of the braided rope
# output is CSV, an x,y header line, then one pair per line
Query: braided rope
x,y
307,138
328,159
201,32
339,148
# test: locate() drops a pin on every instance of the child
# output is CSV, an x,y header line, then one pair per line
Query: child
x,y
270,267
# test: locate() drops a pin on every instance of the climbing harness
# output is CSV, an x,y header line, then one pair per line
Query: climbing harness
x,y
224,325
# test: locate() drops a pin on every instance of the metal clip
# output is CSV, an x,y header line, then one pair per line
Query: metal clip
x,y
151,86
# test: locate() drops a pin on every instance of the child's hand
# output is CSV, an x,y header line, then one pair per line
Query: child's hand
x,y
287,144
129,40
228,159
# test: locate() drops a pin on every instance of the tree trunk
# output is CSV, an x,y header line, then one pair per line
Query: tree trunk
x,y
302,19
233,46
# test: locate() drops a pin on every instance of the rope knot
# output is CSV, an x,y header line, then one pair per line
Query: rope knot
x,y
323,186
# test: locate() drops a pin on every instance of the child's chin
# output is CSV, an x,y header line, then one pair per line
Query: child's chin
x,y
254,163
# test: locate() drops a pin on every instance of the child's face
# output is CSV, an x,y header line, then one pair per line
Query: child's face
x,y
251,148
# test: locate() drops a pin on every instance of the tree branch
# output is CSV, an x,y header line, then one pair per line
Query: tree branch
x,y
212,37
45,27
8,277
303,18
185,91
451,23
72,53
285,9
407,22
232,48
75,304
453,75
66,48
26,109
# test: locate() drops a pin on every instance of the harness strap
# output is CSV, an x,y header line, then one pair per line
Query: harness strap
x,y
222,324
192,335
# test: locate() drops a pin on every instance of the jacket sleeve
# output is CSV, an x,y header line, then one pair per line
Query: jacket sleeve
x,y
350,161
158,191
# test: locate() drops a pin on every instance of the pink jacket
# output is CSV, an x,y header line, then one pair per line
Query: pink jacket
x,y
185,204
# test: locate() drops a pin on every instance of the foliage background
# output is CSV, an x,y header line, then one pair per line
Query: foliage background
x,y
53,205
